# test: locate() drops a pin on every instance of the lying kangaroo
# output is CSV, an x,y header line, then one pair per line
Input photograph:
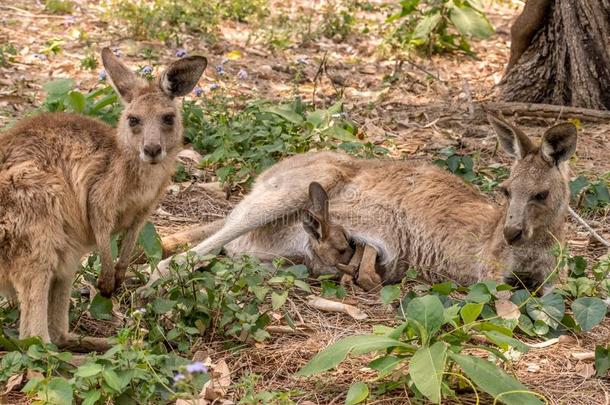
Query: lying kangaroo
x,y
307,236
416,214
68,182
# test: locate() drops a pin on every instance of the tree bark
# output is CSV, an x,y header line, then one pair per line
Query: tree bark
x,y
560,54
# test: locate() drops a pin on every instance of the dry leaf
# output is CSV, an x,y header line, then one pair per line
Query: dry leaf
x,y
218,385
12,383
585,370
507,309
332,306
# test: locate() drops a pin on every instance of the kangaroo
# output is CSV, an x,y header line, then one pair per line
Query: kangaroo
x,y
307,236
68,182
416,214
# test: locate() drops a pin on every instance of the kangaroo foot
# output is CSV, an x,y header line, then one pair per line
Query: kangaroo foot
x,y
368,278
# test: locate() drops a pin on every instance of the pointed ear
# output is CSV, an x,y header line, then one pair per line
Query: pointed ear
x,y
514,141
313,225
558,143
124,81
319,200
182,76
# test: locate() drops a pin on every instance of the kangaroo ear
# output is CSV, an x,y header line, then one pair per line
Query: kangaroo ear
x,y
124,81
319,200
559,143
182,76
313,225
514,141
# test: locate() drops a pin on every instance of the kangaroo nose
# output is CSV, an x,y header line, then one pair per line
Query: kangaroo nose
x,y
512,234
152,151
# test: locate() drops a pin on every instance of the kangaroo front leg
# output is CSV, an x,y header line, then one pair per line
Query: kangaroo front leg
x,y
127,245
105,281
368,278
33,295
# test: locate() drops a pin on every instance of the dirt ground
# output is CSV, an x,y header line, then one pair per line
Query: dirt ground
x,y
415,115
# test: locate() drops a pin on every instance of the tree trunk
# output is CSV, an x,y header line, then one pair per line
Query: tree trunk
x,y
560,54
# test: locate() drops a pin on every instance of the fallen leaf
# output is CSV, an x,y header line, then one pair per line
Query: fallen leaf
x,y
507,310
585,370
12,383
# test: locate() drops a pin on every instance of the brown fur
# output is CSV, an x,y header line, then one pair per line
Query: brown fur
x,y
419,215
68,182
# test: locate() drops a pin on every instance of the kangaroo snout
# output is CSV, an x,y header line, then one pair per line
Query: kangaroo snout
x,y
513,234
152,153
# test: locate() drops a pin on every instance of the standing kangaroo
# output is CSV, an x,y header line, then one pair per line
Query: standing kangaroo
x,y
416,214
68,182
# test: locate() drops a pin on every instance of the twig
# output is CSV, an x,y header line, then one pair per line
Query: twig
x,y
469,98
321,69
415,65
584,355
547,111
592,231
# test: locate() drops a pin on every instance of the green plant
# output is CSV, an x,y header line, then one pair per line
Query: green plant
x,y
337,21
439,25
89,62
485,178
59,6
127,372
53,47
428,354
225,297
250,396
591,194
7,53
102,103
241,143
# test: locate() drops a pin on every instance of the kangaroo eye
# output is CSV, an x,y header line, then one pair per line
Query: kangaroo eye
x,y
133,121
541,196
168,119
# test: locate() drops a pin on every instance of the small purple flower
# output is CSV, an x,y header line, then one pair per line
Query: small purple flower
x,y
179,377
181,53
102,75
214,86
196,367
40,56
242,74
198,91
220,70
117,52
146,70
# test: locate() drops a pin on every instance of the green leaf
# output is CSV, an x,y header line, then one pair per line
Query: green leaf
x,y
427,311
101,308
302,285
589,312
151,242
112,379
58,391
357,393
277,300
385,365
470,312
503,341
426,25
91,397
494,381
602,360
77,101
577,185
337,352
390,293
549,309
161,305
336,132
286,112
426,369
58,87
469,22
88,370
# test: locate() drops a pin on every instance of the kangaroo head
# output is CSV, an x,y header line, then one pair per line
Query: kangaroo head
x,y
151,122
537,190
328,241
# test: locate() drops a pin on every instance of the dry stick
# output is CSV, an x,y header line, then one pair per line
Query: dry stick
x,y
581,221
547,111
469,99
316,77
